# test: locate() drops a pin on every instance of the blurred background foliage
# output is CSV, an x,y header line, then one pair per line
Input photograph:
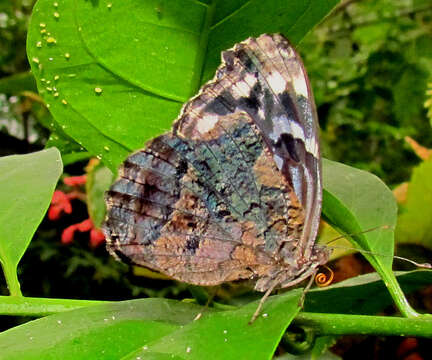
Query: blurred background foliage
x,y
370,64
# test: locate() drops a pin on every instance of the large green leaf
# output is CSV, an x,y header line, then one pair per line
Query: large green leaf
x,y
361,206
153,328
116,73
356,201
415,220
27,183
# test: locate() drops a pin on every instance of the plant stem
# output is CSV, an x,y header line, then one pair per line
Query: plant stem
x,y
340,324
398,296
323,324
28,306
11,277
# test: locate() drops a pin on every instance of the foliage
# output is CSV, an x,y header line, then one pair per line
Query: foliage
x,y
114,74
176,58
369,64
28,182
415,218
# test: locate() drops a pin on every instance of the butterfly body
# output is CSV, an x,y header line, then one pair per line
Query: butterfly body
x,y
234,190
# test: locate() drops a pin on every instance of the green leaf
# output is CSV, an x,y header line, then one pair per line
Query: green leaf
x,y
71,152
153,328
17,83
99,179
294,19
121,70
415,221
27,183
227,335
355,201
96,332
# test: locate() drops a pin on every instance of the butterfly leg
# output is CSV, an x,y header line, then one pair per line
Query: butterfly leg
x,y
262,301
212,294
307,288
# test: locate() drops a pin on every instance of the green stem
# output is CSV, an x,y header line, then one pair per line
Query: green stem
x,y
397,294
323,324
27,306
10,273
340,324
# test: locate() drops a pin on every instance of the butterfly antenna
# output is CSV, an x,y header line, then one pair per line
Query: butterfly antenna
x,y
420,265
382,227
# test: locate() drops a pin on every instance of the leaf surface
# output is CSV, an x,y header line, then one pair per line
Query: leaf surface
x,y
115,74
27,183
153,328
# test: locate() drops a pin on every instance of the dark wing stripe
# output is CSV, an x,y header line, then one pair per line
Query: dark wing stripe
x,y
301,174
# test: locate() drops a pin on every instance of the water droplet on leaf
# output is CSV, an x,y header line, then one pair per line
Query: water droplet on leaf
x,y
51,40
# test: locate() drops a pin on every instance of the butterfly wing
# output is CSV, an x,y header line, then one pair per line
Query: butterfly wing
x,y
234,192
264,78
170,211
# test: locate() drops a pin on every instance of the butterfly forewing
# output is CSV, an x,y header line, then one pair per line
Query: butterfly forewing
x,y
234,191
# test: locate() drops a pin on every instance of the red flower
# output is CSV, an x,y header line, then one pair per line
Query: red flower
x,y
75,180
96,236
60,203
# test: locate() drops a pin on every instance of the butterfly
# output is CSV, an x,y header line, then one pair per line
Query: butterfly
x,y
234,190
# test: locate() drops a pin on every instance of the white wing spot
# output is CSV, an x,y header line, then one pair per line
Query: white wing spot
x,y
299,83
207,123
277,82
297,131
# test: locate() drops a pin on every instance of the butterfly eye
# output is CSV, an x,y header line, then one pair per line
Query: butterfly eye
x,y
322,279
